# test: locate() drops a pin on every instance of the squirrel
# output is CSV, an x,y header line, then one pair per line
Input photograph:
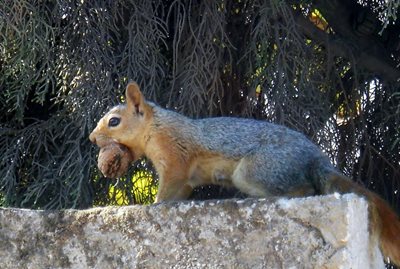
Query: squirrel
x,y
259,158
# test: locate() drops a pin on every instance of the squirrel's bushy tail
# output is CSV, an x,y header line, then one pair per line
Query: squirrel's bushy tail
x,y
384,223
389,223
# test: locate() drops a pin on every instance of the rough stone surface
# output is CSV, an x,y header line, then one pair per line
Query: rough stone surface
x,y
318,232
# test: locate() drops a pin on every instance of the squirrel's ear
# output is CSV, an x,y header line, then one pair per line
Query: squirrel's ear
x,y
134,97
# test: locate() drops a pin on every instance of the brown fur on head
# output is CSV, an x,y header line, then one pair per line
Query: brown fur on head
x,y
125,124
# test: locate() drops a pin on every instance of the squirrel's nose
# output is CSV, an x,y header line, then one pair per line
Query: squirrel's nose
x,y
92,138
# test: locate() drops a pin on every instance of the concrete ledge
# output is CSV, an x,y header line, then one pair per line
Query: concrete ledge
x,y
317,232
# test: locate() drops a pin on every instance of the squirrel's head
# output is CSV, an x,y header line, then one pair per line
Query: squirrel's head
x,y
126,123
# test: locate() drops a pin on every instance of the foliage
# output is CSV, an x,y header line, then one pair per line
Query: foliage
x,y
138,187
64,63
386,10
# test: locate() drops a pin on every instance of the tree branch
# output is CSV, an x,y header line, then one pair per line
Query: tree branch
x,y
368,53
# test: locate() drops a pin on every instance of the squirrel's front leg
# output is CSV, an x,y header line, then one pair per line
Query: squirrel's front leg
x,y
173,186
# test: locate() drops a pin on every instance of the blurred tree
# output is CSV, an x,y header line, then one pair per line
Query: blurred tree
x,y
326,68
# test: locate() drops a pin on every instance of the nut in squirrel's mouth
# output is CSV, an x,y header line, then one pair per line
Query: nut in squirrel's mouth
x,y
114,160
126,148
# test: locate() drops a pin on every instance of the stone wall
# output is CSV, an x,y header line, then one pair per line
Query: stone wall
x,y
317,232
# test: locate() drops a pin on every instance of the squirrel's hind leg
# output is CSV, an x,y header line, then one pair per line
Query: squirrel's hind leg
x,y
243,179
269,173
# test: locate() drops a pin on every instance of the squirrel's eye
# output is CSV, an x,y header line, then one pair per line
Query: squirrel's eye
x,y
114,121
